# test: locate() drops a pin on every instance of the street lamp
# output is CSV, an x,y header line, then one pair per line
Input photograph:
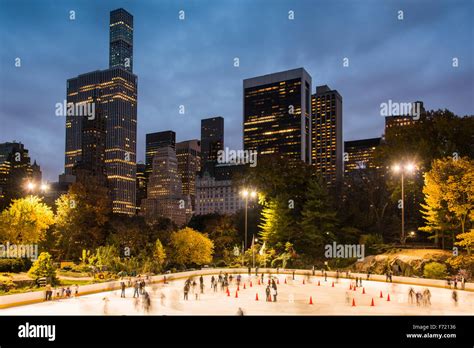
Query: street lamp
x,y
403,168
246,193
30,186
253,251
44,187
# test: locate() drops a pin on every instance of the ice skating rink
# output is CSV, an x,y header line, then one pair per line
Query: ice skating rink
x,y
293,299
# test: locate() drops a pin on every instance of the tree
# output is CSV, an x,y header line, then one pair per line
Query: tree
x,y
223,233
81,218
191,247
44,267
466,240
25,221
159,254
449,197
318,219
434,270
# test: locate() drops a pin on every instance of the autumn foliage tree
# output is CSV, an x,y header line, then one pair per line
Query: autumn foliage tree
x,y
449,198
25,220
189,247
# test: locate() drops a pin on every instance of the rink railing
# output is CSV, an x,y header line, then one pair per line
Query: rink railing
x,y
13,300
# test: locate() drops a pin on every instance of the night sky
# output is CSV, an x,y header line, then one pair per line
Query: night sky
x,y
190,62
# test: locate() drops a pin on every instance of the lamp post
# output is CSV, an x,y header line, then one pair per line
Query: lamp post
x,y
253,250
246,193
402,169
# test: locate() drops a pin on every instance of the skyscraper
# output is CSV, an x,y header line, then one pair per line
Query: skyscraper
x,y
212,140
188,154
327,146
153,142
277,114
141,184
15,171
121,40
164,189
112,95
359,154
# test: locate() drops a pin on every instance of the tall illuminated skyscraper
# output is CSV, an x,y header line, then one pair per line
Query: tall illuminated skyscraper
x,y
277,114
113,92
327,145
212,140
188,154
155,141
121,40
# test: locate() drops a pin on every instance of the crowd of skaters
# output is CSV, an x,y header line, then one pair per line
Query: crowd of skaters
x,y
56,293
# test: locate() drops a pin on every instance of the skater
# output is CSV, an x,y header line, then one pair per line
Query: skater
x,y
202,287
68,292
240,311
193,289
146,302
463,283
368,275
48,293
256,271
274,293
122,286
411,296
106,305
76,290
325,276
136,289
212,281
267,293
357,282
293,275
427,297
215,286
455,282
186,291
312,270
360,281
250,271
419,297
455,298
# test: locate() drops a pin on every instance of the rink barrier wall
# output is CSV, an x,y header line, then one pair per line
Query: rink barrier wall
x,y
14,300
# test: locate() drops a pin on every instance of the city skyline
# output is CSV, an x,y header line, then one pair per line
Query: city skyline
x,y
209,87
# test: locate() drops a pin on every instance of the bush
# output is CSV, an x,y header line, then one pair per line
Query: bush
x,y
435,270
6,284
44,267
15,265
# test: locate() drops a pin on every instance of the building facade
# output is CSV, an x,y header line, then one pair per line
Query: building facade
x,y
188,154
153,142
112,95
277,114
164,190
327,145
121,40
15,171
212,141
359,154
217,196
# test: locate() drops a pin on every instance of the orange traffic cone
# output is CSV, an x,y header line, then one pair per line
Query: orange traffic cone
x,y
236,294
332,284
319,284
285,280
244,286
303,281
250,283
350,286
278,281
258,281
372,304
228,292
381,296
311,300
268,281
363,291
355,288
256,297
353,303
238,287
388,297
